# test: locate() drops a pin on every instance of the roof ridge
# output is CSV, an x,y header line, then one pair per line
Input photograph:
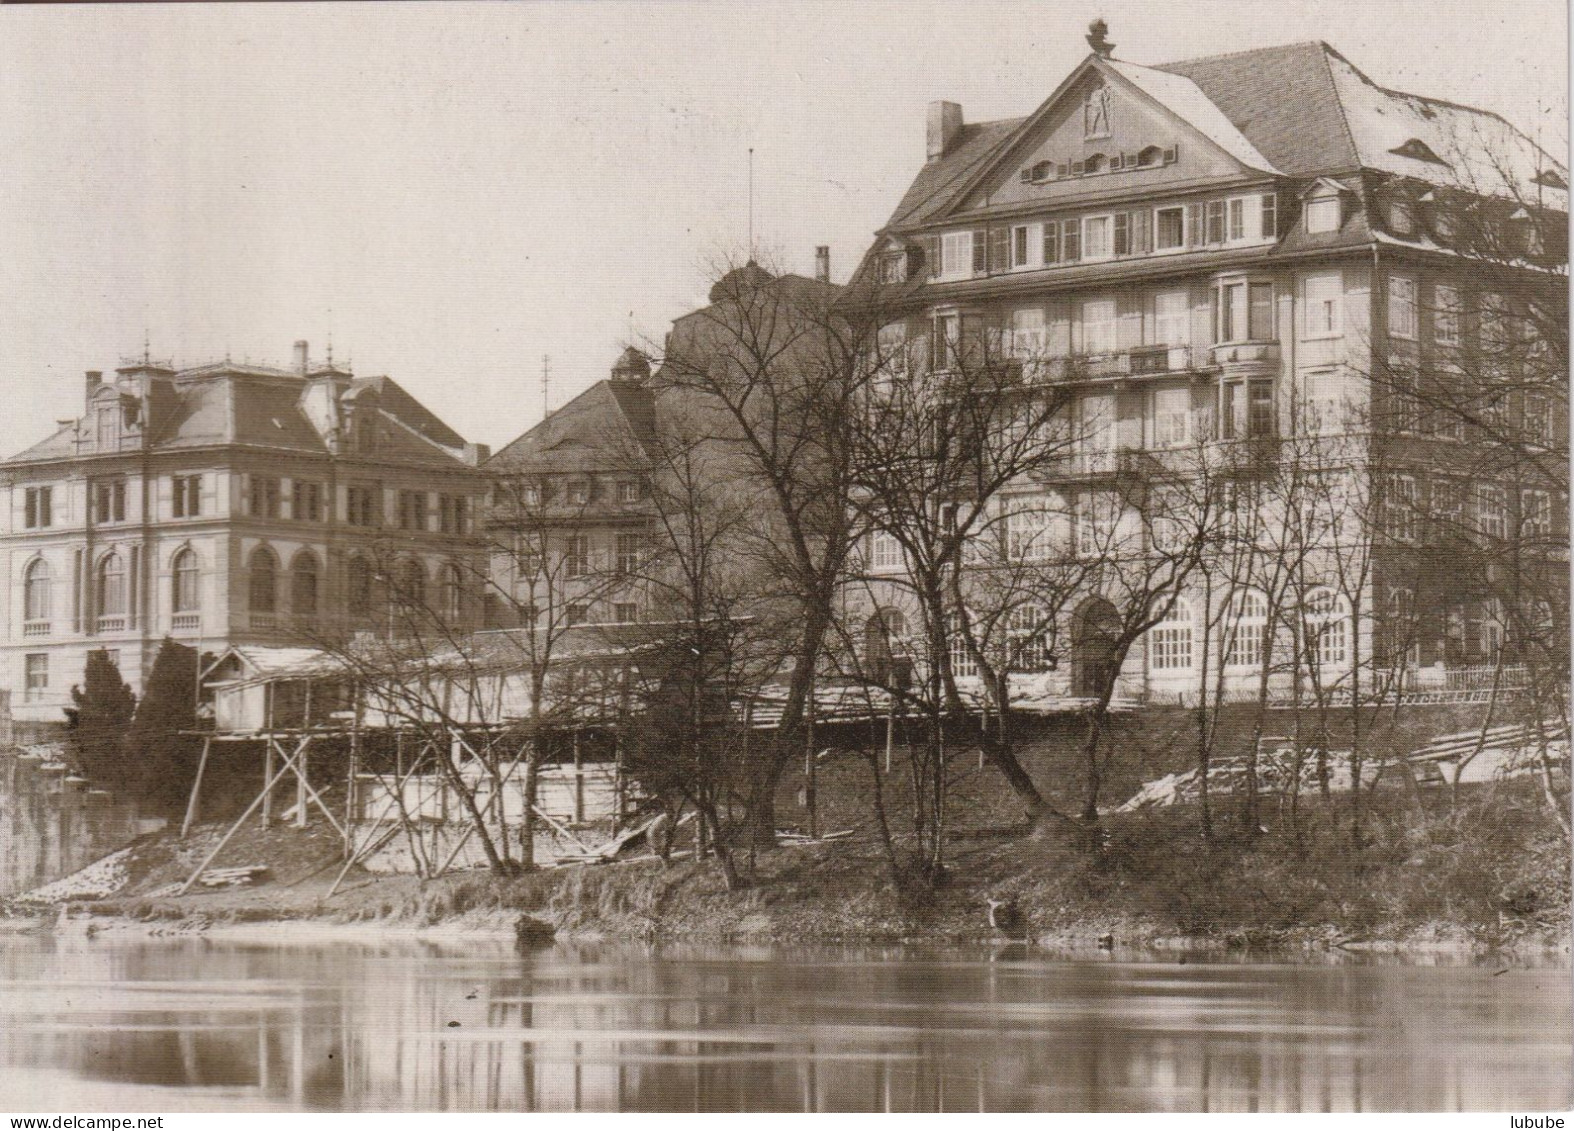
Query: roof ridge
x,y
1318,43
1394,93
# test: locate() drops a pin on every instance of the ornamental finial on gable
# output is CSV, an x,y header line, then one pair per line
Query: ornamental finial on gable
x,y
1098,39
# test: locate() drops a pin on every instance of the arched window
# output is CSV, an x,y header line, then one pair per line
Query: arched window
x,y
35,587
1325,618
358,587
453,593
411,592
263,591
1245,629
304,574
183,582
1170,639
111,585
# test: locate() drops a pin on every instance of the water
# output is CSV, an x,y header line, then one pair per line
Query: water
x,y
108,1024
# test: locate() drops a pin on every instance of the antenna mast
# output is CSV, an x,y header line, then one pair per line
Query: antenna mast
x,y
546,385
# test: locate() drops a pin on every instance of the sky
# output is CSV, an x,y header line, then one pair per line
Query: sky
x,y
451,192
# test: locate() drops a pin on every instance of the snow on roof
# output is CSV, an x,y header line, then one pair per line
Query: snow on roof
x,y
1482,152
1185,98
263,662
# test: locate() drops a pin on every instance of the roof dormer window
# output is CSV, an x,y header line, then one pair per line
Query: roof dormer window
x,y
1323,214
1401,217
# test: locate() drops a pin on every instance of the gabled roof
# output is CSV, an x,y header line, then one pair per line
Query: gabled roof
x,y
585,434
1299,110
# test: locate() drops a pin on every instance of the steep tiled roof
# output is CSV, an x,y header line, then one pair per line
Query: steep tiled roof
x,y
1283,99
938,181
583,435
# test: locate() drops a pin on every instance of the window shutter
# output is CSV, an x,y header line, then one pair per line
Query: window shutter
x,y
1142,232
1270,210
1194,225
245,494
999,249
1122,234
980,249
932,256
1051,241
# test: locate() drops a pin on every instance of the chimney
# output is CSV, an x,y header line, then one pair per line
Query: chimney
x,y
945,122
300,358
95,378
822,264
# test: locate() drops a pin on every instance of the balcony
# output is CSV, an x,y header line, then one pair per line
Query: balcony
x,y
1247,359
35,628
186,622
1144,361
112,624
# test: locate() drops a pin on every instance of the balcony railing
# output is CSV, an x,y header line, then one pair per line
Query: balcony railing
x,y
112,624
186,622
35,628
264,620
1144,361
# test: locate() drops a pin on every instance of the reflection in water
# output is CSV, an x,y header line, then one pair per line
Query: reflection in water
x,y
208,1024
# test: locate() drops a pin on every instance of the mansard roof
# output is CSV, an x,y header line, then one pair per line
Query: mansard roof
x,y
260,407
1301,110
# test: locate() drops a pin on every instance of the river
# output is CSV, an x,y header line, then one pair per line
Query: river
x,y
112,1023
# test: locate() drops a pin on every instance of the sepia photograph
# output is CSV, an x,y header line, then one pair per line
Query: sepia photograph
x,y
654,556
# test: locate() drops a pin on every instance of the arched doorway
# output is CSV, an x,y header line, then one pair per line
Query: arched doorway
x,y
1095,626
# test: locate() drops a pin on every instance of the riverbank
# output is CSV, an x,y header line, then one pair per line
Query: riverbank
x,y
1487,879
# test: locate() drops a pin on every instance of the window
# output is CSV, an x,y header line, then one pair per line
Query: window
x,y
1261,324
111,589
185,496
304,573
1098,326
1051,246
36,672
963,665
1402,517
1096,237
183,583
263,589
262,498
1401,217
1322,214
947,350
1027,648
531,495
358,586
1245,630
1324,300
411,590
1326,629
1491,510
631,552
576,614
1021,246
1215,222
35,594
1169,641
1169,226
1270,215
625,612
1243,312
453,594
1027,332
1172,318
628,491
885,552
576,555
1172,418
1027,536
1536,515
108,429
579,492
39,507
1098,434
452,514
412,510
109,500
1401,307
1097,514
1237,219
956,254
1070,241
361,504
1445,319
528,558
1540,420
1246,410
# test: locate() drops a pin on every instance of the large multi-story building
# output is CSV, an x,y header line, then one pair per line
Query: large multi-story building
x,y
230,504
1220,265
